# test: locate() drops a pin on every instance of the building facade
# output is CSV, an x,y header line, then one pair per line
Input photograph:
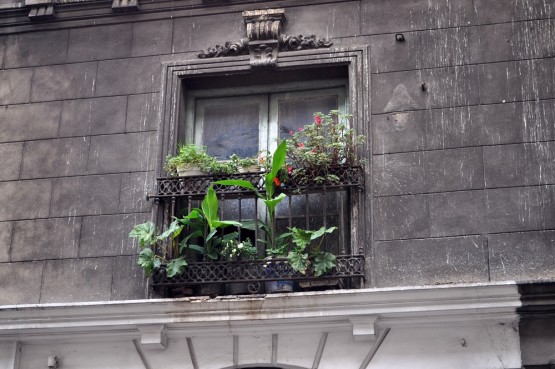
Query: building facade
x,y
453,219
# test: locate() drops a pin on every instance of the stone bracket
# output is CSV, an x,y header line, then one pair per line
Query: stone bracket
x,y
125,5
40,9
153,336
264,40
364,327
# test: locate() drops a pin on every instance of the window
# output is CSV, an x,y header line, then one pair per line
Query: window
x,y
230,107
245,121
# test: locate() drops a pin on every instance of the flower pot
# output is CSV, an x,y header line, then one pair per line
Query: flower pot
x,y
249,169
279,286
189,170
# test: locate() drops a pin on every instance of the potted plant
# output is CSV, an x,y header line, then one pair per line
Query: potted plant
x,y
237,250
190,160
307,253
251,164
317,147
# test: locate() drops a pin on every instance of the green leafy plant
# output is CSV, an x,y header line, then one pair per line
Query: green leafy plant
x,y
235,249
269,197
307,251
326,142
189,154
202,224
149,242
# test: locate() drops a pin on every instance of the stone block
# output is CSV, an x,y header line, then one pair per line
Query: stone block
x,y
15,86
401,217
152,38
548,194
122,153
134,188
444,87
129,282
451,128
199,33
512,10
108,235
398,132
11,155
29,122
517,81
513,41
104,115
389,16
514,209
519,165
24,199
422,49
431,261
99,42
90,195
41,239
453,170
20,283
68,81
55,158
522,256
2,50
128,76
143,113
5,241
36,48
324,20
457,213
69,280
398,174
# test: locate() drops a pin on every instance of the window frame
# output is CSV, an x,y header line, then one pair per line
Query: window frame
x,y
355,59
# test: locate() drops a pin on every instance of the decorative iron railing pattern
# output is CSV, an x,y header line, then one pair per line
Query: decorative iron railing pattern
x,y
196,186
348,266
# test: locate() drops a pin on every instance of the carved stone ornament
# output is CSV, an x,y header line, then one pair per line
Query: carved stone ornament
x,y
264,40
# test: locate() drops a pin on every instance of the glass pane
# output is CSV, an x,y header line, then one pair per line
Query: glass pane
x,y
231,130
297,112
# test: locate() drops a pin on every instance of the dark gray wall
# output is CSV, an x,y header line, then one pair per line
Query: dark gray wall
x,y
463,172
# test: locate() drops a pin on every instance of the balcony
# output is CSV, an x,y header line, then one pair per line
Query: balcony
x,y
310,203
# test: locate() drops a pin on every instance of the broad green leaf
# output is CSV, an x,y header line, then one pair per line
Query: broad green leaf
x,y
225,223
230,236
144,233
298,261
324,263
319,233
272,203
210,235
148,261
237,182
184,243
196,248
175,267
210,206
173,230
278,159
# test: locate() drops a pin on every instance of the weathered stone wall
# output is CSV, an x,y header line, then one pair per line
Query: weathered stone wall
x,y
463,172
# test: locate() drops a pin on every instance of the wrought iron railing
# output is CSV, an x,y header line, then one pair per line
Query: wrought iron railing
x,y
303,193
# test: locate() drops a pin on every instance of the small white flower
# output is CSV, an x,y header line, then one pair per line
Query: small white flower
x,y
240,246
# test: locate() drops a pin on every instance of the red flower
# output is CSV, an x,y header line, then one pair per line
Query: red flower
x,y
317,120
289,170
312,151
300,129
276,181
301,145
291,133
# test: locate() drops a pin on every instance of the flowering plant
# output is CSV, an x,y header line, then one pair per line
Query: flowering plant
x,y
235,249
326,142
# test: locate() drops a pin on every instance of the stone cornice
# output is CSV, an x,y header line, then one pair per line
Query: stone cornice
x,y
336,310
14,17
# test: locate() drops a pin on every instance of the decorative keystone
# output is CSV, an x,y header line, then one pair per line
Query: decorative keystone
x,y
153,336
364,327
125,5
40,9
264,40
